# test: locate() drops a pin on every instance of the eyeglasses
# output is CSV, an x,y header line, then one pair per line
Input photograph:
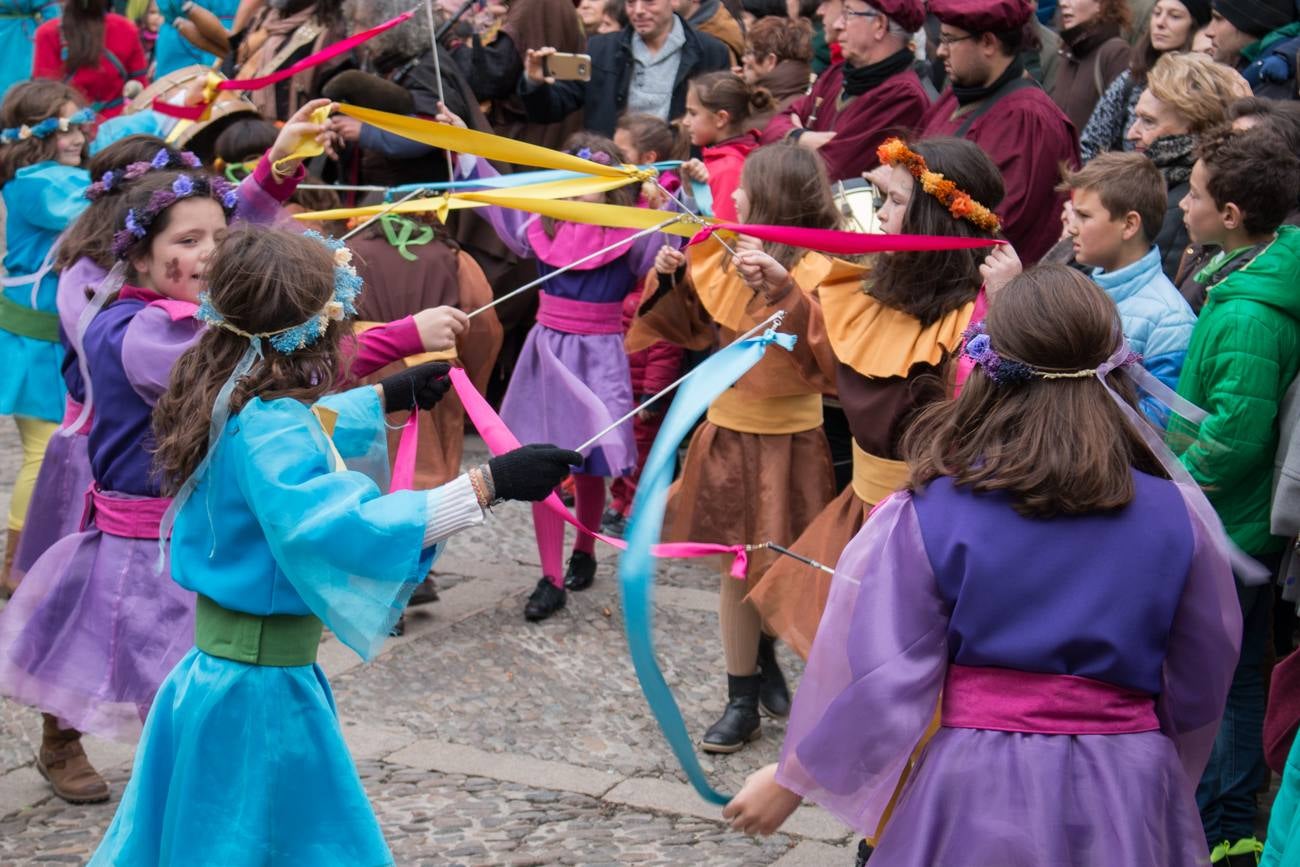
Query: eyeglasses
x,y
851,13
949,39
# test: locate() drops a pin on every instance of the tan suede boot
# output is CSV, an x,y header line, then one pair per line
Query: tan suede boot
x,y
7,584
63,762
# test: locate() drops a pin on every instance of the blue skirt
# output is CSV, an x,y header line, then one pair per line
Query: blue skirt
x,y
243,765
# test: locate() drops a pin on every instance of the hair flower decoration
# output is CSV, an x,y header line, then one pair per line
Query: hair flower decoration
x,y
47,127
978,347
112,179
960,204
185,186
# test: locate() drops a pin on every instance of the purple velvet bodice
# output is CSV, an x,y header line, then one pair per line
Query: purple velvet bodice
x,y
1089,595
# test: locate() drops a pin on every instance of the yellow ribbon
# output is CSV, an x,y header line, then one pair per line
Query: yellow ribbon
x,y
308,147
486,145
439,205
595,214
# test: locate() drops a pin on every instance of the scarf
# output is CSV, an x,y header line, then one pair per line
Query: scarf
x,y
859,79
1084,39
967,95
1172,154
787,80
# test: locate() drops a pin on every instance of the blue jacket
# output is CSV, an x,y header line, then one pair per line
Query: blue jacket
x,y
1157,320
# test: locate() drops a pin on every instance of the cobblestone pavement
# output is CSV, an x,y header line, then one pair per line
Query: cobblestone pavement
x,y
485,740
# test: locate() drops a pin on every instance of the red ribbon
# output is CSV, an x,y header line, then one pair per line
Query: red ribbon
x,y
846,243
195,112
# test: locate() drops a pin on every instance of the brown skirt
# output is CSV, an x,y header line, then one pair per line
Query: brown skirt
x,y
741,488
792,595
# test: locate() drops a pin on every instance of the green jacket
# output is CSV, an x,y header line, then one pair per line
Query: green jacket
x,y
1245,351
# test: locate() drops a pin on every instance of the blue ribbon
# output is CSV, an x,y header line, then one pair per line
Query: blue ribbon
x,y
636,566
703,196
503,182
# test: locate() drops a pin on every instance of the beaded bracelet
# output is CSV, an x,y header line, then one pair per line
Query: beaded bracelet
x,y
480,479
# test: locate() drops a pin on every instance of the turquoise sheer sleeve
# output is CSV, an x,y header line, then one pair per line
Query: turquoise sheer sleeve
x,y
359,432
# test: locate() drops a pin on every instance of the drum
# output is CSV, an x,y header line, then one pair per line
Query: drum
x,y
858,199
201,136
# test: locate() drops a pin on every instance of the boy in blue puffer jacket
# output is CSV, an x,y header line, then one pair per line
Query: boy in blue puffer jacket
x,y
1119,203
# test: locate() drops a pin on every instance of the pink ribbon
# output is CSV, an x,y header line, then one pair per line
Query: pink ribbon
x,y
500,439
194,112
579,317
404,464
846,243
965,364
124,516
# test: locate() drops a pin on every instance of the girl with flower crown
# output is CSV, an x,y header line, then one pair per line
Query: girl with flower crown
x,y
572,377
894,324
759,467
280,530
1050,584
95,626
43,146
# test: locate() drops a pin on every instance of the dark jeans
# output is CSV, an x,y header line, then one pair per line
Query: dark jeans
x,y
1236,771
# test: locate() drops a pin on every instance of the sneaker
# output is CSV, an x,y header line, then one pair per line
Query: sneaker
x,y
544,601
581,572
1244,853
613,523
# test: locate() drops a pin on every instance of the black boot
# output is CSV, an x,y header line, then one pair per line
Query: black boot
x,y
739,723
544,601
773,695
864,853
581,571
424,594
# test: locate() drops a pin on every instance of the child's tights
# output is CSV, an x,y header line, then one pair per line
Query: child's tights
x,y
589,503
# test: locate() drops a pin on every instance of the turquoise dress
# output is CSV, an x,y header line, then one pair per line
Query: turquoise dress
x,y
173,51
246,764
18,22
41,201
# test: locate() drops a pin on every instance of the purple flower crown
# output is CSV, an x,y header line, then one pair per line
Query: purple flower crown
x,y
164,159
138,221
595,156
977,346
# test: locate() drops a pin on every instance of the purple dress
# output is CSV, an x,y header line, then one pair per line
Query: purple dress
x,y
566,387
1138,604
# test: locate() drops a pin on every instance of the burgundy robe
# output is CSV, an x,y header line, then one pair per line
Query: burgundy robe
x,y
1029,138
893,107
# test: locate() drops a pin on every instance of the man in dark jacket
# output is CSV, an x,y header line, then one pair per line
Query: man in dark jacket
x,y
1258,38
643,68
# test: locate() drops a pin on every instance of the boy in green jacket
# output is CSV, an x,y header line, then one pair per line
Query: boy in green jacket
x,y
1244,353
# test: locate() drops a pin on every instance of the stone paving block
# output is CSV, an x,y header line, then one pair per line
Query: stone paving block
x,y
667,796
459,759
22,788
367,741
810,853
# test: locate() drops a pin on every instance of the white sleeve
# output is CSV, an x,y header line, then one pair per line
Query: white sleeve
x,y
452,507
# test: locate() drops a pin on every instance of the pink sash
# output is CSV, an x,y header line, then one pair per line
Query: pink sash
x,y
71,412
579,317
123,515
1001,699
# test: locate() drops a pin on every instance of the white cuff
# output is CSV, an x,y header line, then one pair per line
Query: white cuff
x,y
452,507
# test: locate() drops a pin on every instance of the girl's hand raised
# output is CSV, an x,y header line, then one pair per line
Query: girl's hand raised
x,y
764,274
439,327
695,170
1000,267
762,805
298,129
669,259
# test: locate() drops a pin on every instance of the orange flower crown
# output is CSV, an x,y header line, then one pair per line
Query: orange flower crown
x,y
895,152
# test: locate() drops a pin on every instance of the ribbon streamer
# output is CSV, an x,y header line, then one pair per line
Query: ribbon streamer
x,y
846,243
307,148
215,85
636,566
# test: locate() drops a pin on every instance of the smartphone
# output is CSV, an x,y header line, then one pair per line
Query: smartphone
x,y
567,67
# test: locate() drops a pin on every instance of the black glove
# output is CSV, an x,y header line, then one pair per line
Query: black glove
x,y
422,386
531,472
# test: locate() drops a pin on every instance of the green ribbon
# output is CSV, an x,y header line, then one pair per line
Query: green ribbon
x,y
280,640
26,322
401,233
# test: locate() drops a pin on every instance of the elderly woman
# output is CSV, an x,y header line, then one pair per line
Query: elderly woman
x,y
1092,54
1186,95
1172,27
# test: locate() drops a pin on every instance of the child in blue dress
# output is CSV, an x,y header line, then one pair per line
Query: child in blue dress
x,y
282,527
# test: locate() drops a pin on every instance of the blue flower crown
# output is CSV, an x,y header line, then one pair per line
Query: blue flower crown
x,y
347,285
136,225
977,346
47,127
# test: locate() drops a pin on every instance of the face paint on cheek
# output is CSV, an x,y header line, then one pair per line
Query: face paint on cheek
x,y
173,271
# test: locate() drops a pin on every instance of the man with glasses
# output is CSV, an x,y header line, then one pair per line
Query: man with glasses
x,y
992,102
643,68
870,95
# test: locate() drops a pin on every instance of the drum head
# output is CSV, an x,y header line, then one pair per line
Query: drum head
x,y
856,198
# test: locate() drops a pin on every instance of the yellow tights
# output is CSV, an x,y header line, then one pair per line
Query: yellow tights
x,y
35,433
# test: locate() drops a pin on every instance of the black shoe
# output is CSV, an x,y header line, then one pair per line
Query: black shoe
x,y
399,628
613,523
864,852
739,724
581,571
544,601
773,695
424,594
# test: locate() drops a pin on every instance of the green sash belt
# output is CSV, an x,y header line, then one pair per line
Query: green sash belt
x,y
280,640
24,321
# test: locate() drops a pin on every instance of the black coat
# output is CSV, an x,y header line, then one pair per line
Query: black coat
x,y
604,98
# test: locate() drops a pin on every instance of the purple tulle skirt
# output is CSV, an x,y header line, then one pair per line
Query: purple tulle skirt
x,y
58,500
999,799
566,388
92,632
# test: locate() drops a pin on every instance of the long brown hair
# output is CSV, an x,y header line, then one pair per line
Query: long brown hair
x,y
1057,446
787,185
930,284
91,235
261,280
82,27
29,103
727,91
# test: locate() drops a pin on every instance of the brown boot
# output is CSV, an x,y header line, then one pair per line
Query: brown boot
x,y
63,762
7,584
